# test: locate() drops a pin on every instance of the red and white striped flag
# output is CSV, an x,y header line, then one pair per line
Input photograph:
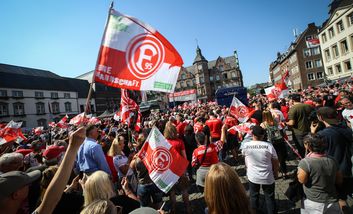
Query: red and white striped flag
x,y
239,110
164,164
128,108
11,132
314,42
79,119
135,56
62,123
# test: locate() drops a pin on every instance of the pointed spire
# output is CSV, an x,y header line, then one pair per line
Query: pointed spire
x,y
199,57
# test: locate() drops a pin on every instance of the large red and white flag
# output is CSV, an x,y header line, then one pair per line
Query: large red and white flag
x,y
11,132
312,43
135,56
239,110
164,164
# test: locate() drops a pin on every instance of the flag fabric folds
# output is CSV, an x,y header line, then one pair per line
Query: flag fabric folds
x,y
11,132
312,43
239,110
164,164
135,56
128,109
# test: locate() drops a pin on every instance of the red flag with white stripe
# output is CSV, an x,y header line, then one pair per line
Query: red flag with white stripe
x,y
128,109
164,164
239,110
135,56
11,132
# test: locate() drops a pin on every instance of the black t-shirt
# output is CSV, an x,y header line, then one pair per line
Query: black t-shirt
x,y
70,203
128,204
339,140
257,115
329,100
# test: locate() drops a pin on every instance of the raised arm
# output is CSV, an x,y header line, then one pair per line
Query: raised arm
x,y
61,177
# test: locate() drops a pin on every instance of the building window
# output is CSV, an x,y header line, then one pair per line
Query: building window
x,y
194,81
344,46
350,18
18,109
323,37
307,52
42,122
183,76
320,75
315,51
68,107
311,77
338,68
67,95
225,76
233,75
331,33
330,71
340,26
318,63
347,65
221,68
308,38
335,51
309,64
4,109
217,77
38,94
202,80
54,95
40,108
17,93
55,108
327,55
211,78
82,108
3,93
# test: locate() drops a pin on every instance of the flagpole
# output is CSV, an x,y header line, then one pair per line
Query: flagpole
x,y
97,63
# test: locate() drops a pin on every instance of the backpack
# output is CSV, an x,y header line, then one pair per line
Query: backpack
x,y
273,133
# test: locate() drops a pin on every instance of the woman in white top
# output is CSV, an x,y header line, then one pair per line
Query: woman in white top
x,y
121,162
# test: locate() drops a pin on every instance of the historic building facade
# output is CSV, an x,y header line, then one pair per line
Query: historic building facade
x,y
303,60
37,97
336,41
208,76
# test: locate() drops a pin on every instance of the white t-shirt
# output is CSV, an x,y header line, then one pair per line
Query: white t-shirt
x,y
258,161
347,114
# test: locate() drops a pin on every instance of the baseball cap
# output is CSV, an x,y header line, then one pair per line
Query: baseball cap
x,y
12,181
53,152
328,114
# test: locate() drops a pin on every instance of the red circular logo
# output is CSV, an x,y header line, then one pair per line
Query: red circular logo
x,y
161,159
241,111
276,92
144,55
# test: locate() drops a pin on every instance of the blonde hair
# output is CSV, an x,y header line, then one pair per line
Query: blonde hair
x,y
98,186
224,193
100,207
268,118
170,131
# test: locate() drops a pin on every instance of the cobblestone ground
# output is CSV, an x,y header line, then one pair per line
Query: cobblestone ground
x,y
283,204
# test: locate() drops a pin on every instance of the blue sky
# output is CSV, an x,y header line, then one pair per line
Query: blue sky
x,y
64,36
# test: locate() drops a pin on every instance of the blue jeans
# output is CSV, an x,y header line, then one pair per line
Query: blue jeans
x,y
146,191
269,192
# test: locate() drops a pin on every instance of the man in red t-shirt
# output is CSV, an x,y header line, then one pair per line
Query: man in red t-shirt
x,y
215,126
180,125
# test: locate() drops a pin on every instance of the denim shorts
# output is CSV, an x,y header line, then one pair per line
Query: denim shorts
x,y
146,191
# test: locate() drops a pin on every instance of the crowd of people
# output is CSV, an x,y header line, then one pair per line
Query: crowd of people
x,y
95,168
